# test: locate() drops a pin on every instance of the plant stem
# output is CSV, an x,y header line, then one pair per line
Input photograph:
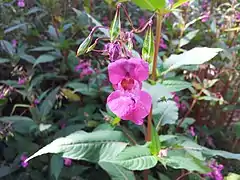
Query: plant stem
x,y
154,68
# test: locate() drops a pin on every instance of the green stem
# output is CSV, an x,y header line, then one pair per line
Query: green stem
x,y
154,68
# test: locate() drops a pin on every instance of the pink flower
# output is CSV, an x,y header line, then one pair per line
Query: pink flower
x,y
163,153
21,3
216,172
130,106
22,81
23,161
128,73
67,162
113,50
85,68
192,131
206,17
142,21
14,43
162,44
105,20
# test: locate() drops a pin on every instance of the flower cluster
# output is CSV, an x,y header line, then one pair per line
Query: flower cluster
x,y
85,68
216,171
128,101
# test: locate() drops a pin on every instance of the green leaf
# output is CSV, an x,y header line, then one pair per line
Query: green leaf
x,y
232,176
87,5
117,172
176,85
17,26
47,105
179,3
28,58
56,165
7,47
151,5
84,46
68,130
155,145
44,59
195,56
93,147
43,48
186,162
115,26
20,124
187,122
84,89
148,46
135,158
187,38
70,95
4,60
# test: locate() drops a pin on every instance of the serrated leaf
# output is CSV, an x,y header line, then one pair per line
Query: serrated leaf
x,y
148,46
20,124
151,5
56,165
48,103
117,172
176,85
44,59
84,89
187,38
195,56
115,26
84,46
43,48
135,158
93,147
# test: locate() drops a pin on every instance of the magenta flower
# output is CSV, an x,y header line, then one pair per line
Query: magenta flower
x,y
21,3
14,43
22,81
23,161
192,131
237,16
113,50
36,101
105,20
85,68
67,162
162,44
216,172
206,17
142,21
130,106
127,73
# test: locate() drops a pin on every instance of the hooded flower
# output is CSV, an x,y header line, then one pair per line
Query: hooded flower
x,y
67,162
21,3
130,106
127,74
113,50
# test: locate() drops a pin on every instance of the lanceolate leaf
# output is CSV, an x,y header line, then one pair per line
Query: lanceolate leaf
x,y
135,158
148,46
93,147
56,165
116,26
155,142
151,5
44,59
117,172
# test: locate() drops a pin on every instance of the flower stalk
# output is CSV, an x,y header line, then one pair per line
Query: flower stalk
x,y
154,67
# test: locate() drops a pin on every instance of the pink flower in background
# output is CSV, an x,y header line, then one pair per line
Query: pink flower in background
x,y
22,81
192,131
127,73
163,153
105,21
216,172
130,106
85,68
237,16
14,43
206,17
142,21
21,3
162,44
185,4
36,101
67,162
23,161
